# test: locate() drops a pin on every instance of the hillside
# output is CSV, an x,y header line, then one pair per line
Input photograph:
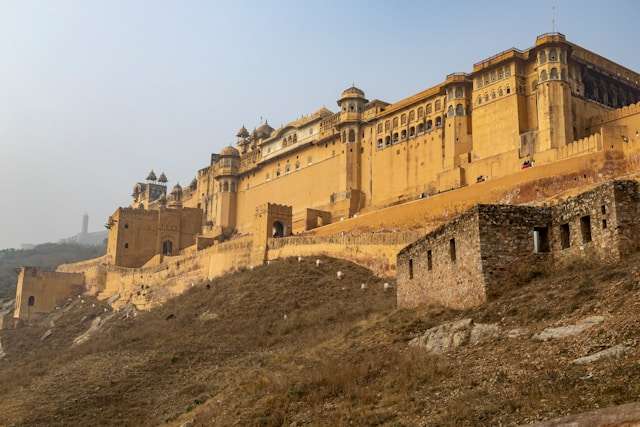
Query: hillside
x,y
290,344
47,255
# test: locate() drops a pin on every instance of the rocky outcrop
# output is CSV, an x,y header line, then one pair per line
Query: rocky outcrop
x,y
616,416
451,335
615,351
569,330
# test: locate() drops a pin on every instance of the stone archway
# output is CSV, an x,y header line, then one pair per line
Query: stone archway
x,y
278,229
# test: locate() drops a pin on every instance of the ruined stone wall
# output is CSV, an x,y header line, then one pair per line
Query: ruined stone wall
x,y
443,268
39,292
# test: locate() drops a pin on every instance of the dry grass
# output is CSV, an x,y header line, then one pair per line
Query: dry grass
x,y
339,358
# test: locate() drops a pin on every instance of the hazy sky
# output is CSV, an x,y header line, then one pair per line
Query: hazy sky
x,y
93,94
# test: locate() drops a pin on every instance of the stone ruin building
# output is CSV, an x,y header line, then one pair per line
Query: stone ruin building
x,y
462,262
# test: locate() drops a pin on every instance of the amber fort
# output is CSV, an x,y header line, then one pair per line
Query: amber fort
x,y
415,188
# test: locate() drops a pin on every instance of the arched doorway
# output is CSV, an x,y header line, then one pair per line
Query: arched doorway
x,y
31,302
167,248
278,229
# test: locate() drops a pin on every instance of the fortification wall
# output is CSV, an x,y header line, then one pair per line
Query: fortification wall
x,y
40,292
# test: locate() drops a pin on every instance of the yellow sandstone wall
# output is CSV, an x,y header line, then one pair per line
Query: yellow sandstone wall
x,y
40,292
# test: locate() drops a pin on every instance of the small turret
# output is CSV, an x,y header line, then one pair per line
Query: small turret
x,y
152,176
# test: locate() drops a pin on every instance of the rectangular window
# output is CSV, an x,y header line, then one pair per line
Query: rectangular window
x,y
540,239
429,260
410,269
604,224
452,250
585,228
565,236
603,208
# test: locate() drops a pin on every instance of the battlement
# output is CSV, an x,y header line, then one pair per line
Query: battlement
x,y
616,114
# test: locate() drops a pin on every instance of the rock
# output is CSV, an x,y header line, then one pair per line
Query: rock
x,y
339,275
451,335
615,351
299,259
96,325
317,262
207,315
386,286
46,335
2,353
569,330
516,333
187,424
363,286
482,332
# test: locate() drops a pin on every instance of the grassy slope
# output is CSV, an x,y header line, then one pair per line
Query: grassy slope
x,y
340,356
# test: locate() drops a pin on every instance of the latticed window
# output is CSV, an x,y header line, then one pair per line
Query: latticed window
x,y
412,115
420,112
386,125
403,119
438,105
379,127
428,108
395,122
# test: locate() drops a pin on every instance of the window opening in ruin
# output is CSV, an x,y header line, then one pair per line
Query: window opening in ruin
x,y
277,230
167,248
565,236
585,228
410,269
126,226
126,246
31,301
604,224
429,260
604,209
540,239
452,250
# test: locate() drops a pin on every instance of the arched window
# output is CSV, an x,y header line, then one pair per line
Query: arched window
x,y
403,119
412,115
542,57
459,110
553,56
479,100
509,90
352,135
420,112
499,91
395,137
507,71
31,301
458,92
438,105
167,247
395,122
493,94
387,140
420,128
380,127
428,109
403,134
450,111
486,97
386,125
412,131
554,74
438,121
287,168
478,83
380,143
225,187
429,124
500,73
543,75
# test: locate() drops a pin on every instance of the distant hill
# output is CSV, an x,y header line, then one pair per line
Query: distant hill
x,y
47,255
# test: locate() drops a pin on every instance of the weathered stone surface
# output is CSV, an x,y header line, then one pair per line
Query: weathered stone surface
x,y
207,315
96,325
46,335
615,351
2,353
516,333
616,416
569,330
451,335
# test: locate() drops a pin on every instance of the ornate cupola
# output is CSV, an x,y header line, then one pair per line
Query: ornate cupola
x,y
152,176
163,179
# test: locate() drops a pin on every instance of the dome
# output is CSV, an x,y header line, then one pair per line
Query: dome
x,y
177,189
264,130
352,92
229,151
242,132
163,178
151,176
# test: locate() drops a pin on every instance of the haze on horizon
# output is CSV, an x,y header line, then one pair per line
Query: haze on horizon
x,y
94,94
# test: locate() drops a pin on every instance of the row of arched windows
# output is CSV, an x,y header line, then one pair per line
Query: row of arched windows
x,y
552,55
553,75
458,111
405,118
493,76
493,95
409,133
226,187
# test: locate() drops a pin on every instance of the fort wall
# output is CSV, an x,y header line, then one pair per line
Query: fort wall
x,y
40,292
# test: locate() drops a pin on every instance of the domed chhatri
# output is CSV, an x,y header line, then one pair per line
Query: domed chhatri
x,y
264,130
163,178
352,92
229,151
152,176
242,132
177,189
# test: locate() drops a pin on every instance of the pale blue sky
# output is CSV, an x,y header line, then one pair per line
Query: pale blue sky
x,y
93,94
